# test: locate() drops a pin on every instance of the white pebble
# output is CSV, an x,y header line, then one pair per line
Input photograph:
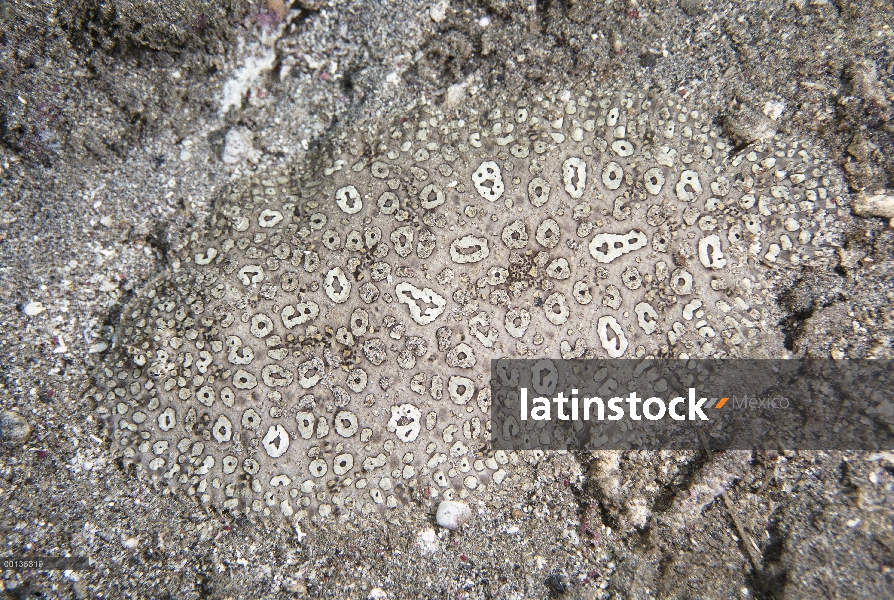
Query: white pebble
x,y
438,12
453,515
98,347
427,541
32,309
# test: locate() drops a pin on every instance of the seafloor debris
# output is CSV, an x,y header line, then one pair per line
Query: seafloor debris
x,y
877,204
322,350
13,427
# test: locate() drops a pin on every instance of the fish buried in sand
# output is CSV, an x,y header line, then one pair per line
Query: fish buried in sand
x,y
321,350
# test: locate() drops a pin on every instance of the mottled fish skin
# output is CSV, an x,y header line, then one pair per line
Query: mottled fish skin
x,y
322,349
